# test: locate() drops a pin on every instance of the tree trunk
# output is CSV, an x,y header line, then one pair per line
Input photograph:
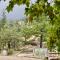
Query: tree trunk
x,y
41,38
25,40
8,45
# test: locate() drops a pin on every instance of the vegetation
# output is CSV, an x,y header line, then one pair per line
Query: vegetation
x,y
47,18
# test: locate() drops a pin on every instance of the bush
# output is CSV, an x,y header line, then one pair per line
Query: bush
x,y
10,51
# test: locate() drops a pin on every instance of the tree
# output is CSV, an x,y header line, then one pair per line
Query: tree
x,y
39,8
35,28
9,37
3,21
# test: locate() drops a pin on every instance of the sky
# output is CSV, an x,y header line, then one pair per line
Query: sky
x,y
16,14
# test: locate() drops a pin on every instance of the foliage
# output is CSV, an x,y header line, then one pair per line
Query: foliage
x,y
36,10
9,37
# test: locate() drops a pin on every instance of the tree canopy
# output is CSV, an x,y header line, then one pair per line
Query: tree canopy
x,y
38,9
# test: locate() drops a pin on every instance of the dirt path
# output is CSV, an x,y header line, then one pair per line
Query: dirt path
x,y
17,58
21,56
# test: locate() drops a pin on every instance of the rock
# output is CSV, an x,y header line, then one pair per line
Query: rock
x,y
4,52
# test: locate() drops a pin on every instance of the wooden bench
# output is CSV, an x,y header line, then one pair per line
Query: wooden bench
x,y
53,56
